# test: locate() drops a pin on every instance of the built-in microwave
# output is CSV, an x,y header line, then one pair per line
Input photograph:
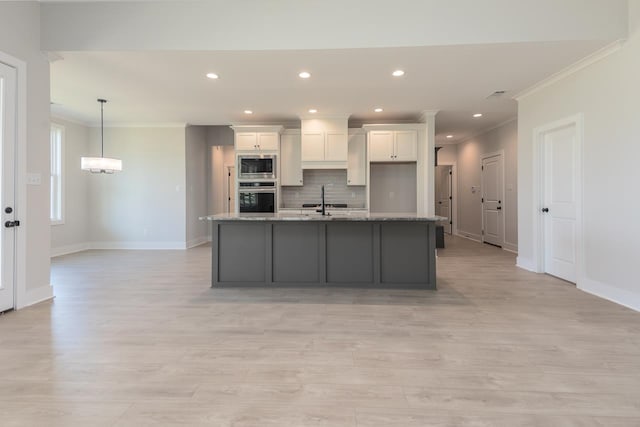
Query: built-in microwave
x,y
257,166
259,196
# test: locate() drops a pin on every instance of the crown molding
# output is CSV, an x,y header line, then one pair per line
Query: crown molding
x,y
424,115
68,119
142,125
571,69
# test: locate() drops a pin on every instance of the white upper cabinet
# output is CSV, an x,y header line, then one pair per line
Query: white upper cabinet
x,y
393,146
406,145
324,144
290,159
257,138
313,146
357,160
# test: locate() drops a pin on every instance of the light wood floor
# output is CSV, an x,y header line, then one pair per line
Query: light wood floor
x,y
138,338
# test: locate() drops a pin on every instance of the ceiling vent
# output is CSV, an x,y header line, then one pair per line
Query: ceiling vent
x,y
497,94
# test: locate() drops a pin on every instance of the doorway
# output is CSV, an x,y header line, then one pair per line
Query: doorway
x,y
492,184
559,199
230,206
444,196
8,102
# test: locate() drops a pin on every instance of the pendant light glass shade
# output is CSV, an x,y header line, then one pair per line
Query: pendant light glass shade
x,y
101,164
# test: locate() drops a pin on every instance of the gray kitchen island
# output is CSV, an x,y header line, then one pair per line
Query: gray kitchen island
x,y
298,250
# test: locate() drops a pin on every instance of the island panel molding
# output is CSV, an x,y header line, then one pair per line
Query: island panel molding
x,y
313,250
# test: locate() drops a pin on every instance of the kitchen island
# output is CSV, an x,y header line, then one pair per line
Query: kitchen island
x,y
344,250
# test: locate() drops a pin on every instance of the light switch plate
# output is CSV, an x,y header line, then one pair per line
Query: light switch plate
x,y
34,179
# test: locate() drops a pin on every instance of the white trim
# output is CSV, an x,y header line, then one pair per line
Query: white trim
x,y
470,236
139,245
391,126
571,69
139,125
69,249
73,120
526,264
482,132
21,296
504,192
197,242
510,247
253,128
576,120
43,293
611,293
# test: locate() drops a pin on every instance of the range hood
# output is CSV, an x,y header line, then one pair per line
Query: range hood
x,y
324,143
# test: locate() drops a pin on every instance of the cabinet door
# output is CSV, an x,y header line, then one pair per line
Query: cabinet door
x,y
290,160
246,141
268,141
336,147
381,146
406,146
313,146
357,161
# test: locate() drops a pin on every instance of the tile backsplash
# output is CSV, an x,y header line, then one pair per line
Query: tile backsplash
x,y
335,187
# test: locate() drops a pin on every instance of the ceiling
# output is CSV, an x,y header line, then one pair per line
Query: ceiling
x,y
170,87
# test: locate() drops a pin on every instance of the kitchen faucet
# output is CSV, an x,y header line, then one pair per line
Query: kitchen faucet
x,y
322,206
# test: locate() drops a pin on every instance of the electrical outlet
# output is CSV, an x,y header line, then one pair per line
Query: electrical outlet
x,y
34,179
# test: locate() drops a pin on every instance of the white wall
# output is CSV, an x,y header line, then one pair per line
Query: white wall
x,y
448,155
196,184
607,94
20,38
73,235
144,205
469,175
392,187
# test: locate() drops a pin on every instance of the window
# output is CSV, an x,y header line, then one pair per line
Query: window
x,y
57,153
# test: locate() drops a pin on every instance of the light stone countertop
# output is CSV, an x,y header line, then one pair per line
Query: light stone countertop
x,y
334,216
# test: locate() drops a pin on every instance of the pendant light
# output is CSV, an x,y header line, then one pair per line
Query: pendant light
x,y
101,164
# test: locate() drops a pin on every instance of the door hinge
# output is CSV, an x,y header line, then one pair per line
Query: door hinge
x,y
481,167
450,198
483,232
450,222
482,200
450,173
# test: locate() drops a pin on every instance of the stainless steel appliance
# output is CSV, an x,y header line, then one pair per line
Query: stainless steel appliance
x,y
257,166
257,196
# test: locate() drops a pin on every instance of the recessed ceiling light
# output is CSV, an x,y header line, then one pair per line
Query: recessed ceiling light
x,y
212,75
248,112
378,110
476,115
313,110
304,75
397,73
449,136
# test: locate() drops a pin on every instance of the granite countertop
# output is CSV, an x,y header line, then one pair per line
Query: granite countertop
x,y
347,216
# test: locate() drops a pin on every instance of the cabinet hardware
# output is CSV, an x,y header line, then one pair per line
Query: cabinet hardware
x,y
545,209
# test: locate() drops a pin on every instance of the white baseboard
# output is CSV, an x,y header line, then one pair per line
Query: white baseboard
x,y
526,264
198,241
470,236
619,296
510,247
69,249
138,245
34,296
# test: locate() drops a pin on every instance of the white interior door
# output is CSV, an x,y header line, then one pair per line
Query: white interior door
x,y
560,157
444,196
492,195
7,165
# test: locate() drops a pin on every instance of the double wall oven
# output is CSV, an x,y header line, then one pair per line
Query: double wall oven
x,y
257,188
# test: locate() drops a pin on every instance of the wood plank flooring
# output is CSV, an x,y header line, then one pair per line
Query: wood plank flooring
x,y
139,338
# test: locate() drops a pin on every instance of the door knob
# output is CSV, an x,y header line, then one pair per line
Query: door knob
x,y
545,209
